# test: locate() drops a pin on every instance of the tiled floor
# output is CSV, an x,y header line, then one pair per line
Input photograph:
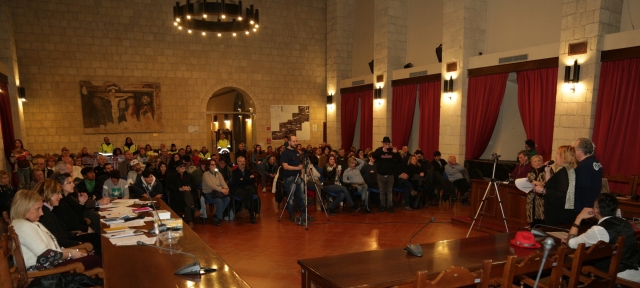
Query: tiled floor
x,y
266,254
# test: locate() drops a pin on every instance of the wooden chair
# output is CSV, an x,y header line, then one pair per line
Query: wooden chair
x,y
457,277
12,246
620,178
529,265
598,251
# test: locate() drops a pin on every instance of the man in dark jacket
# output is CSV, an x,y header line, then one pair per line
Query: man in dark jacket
x,y
243,186
148,187
588,175
183,194
268,169
387,159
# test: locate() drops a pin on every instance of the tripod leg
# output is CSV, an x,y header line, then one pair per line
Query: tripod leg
x,y
495,185
486,192
293,188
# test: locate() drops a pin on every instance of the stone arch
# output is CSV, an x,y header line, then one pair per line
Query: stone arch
x,y
240,106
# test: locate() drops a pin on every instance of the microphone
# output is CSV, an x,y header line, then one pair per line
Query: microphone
x,y
162,227
415,249
546,244
189,269
551,163
541,233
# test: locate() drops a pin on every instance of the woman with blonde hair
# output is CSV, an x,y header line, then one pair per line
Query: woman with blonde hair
x,y
39,247
559,189
535,203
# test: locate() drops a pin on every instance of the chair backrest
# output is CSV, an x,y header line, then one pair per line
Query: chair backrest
x,y
13,272
456,277
620,178
532,264
598,251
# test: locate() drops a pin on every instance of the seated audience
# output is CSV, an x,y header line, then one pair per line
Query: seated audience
x,y
183,193
50,168
522,169
257,156
72,210
129,146
88,184
125,165
559,189
244,187
530,147
535,202
162,174
136,171
148,187
214,189
438,163
77,168
40,249
101,180
608,229
332,185
37,176
224,170
174,161
50,191
118,157
115,187
268,169
195,157
99,169
6,192
353,178
454,171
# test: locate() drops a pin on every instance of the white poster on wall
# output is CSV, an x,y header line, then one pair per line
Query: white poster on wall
x,y
290,120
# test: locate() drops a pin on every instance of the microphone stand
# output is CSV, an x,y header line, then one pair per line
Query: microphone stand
x,y
189,269
415,249
547,244
162,227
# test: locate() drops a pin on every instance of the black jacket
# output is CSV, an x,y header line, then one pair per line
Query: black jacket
x,y
386,161
6,196
242,181
141,189
175,181
57,228
70,212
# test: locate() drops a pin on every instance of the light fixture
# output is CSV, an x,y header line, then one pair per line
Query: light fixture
x,y
226,119
377,95
194,15
22,94
215,119
576,75
330,99
448,87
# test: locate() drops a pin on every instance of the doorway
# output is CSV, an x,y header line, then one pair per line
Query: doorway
x,y
230,111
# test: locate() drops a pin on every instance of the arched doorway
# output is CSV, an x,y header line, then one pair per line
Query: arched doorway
x,y
231,111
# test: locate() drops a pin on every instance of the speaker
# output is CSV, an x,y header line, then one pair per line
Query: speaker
x,y
371,66
409,65
439,53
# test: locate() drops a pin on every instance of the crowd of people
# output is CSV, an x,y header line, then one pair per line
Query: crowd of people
x,y
58,193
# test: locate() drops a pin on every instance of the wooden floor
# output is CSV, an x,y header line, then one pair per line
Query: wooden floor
x,y
266,254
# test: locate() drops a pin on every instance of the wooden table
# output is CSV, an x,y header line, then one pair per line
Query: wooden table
x,y
514,203
390,267
141,266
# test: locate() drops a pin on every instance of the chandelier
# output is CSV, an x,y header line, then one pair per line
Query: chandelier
x,y
216,17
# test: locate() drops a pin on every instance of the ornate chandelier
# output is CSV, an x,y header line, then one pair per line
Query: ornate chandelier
x,y
216,17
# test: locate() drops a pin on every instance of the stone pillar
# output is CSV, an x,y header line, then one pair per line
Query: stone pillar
x,y
339,49
389,53
464,23
9,67
582,21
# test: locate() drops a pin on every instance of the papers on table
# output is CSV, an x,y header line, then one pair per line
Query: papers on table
x,y
524,185
106,206
117,212
146,219
123,233
124,202
132,240
133,223
558,235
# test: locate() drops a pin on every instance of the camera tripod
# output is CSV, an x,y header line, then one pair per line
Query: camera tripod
x,y
494,184
306,173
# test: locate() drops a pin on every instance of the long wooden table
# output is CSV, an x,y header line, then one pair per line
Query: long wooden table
x,y
141,266
391,267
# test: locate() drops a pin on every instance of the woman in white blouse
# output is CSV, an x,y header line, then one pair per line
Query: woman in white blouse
x,y
39,247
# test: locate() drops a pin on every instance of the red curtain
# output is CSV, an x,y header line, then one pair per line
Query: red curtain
x,y
429,101
366,119
537,105
6,121
615,131
483,106
403,107
348,116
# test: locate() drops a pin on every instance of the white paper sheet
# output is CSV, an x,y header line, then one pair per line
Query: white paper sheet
x,y
133,223
524,185
133,240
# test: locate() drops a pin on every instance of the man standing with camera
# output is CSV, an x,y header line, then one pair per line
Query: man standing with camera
x,y
292,168
386,160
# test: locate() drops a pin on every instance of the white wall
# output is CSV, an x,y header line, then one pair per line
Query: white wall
x,y
630,15
363,14
523,23
508,136
424,31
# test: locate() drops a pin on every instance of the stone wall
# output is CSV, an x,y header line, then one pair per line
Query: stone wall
x,y
124,41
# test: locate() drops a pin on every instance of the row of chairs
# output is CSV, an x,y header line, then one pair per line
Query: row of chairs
x,y
581,273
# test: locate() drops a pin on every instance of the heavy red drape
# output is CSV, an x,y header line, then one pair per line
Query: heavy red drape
x,y
429,101
402,110
6,121
615,131
537,105
483,106
366,119
348,117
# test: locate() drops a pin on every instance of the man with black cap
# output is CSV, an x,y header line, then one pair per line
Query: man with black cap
x,y
184,194
438,163
387,159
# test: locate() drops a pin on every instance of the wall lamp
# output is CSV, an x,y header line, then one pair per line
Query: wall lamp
x,y
329,99
576,75
448,87
377,95
22,94
226,119
215,119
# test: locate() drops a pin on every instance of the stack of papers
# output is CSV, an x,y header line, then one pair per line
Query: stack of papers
x,y
138,222
132,240
123,202
123,233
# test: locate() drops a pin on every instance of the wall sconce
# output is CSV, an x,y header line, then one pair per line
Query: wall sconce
x,y
215,119
226,119
576,75
448,87
377,95
329,99
22,94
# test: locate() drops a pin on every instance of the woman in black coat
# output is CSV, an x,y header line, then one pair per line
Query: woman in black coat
x,y
559,190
